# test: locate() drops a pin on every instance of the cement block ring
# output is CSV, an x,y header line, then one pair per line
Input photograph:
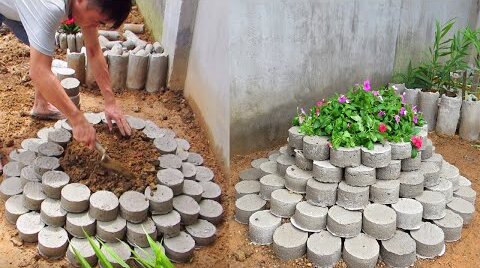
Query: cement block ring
x,y
168,225
52,242
203,232
133,206
112,231
104,206
160,199
289,242
262,225
75,197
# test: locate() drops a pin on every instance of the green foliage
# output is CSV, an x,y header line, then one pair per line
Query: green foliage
x,y
69,27
354,119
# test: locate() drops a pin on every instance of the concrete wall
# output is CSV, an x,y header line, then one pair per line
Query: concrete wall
x,y
288,53
153,12
207,80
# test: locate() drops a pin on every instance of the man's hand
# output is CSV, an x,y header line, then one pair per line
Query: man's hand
x,y
113,112
83,131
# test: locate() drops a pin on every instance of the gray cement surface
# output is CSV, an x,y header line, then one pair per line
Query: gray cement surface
x,y
324,249
324,171
361,251
112,231
379,221
133,206
270,183
283,203
352,197
344,223
203,232
296,179
172,178
179,248
75,197
246,206
33,195
137,233
161,199
385,192
463,208
52,242
262,225
409,213
360,176
321,194
433,205
211,211
211,190
52,213
28,226
429,240
187,207
399,251
195,189
168,225
104,206
309,218
390,172
289,242
77,223
14,208
451,226
380,156
84,248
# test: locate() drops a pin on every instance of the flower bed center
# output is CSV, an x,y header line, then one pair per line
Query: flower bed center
x,y
137,154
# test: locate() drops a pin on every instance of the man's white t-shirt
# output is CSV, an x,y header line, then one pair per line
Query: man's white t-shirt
x,y
40,18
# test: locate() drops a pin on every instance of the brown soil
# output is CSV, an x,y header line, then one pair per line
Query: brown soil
x,y
167,109
462,254
135,153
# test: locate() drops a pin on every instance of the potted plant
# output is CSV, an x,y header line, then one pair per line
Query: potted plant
x,y
67,37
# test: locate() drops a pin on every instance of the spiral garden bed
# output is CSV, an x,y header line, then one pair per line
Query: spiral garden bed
x,y
55,190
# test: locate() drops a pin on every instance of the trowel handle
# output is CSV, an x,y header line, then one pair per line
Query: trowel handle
x,y
100,148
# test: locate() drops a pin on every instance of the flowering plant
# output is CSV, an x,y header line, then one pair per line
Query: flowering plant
x,y
69,27
362,117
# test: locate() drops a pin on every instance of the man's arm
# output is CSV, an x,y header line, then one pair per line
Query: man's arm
x,y
45,81
100,70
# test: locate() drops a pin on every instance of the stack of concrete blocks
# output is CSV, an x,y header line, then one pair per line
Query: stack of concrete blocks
x,y
72,42
381,203
182,210
67,78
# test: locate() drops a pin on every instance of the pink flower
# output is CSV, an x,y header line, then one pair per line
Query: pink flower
x,y
395,88
375,93
403,98
381,113
403,111
415,119
317,112
320,102
343,99
414,109
69,21
397,118
366,85
416,141
382,127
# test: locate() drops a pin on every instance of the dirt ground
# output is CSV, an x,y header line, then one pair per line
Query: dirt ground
x,y
167,109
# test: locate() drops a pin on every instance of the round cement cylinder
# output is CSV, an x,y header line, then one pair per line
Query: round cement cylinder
x,y
469,123
203,232
399,251
411,96
324,171
161,199
302,162
53,183
345,157
137,72
283,203
169,224
430,240
28,226
321,194
72,43
137,232
157,72
262,225
380,156
121,249
179,248
296,179
133,206
75,197
63,73
344,223
52,242
84,248
104,206
390,172
270,183
14,208
77,224
295,138
448,115
187,207
409,213
429,108
385,192
401,150
352,197
289,242
52,213
316,148
451,226
433,203
411,184
379,221
324,249
309,218
112,231
118,69
211,211
76,61
361,251
463,208
79,41
63,41
360,176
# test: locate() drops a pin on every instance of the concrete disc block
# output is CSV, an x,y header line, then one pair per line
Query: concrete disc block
x,y
250,174
84,248
324,171
247,205
104,206
165,145
309,218
203,232
43,164
283,162
179,248
28,174
195,159
270,183
401,150
289,242
321,194
257,162
352,197
380,156
94,118
466,193
182,144
28,226
52,213
172,178
133,206
431,173
170,161
33,195
211,190
451,226
60,136
136,232
462,181
71,86
262,225
302,162
427,151
344,223
195,189
451,173
187,207
121,249
10,186
324,249
412,164
379,221
168,225
135,122
433,205
411,184
399,251
160,199
346,157
316,148
283,203
32,144
75,197
26,157
204,174
183,155
246,187
385,192
211,211
390,172
112,231
361,251
445,187
53,183
152,131
295,138
189,171
77,223
296,179
360,176
14,208
429,240
269,167
12,169
409,213
437,159
50,149
64,122
52,242
463,208
147,253
43,133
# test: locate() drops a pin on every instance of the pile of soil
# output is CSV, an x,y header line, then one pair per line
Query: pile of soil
x,y
136,153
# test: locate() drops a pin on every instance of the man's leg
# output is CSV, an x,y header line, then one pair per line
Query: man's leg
x,y
41,107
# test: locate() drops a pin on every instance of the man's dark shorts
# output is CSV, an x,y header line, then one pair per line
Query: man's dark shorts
x,y
17,28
